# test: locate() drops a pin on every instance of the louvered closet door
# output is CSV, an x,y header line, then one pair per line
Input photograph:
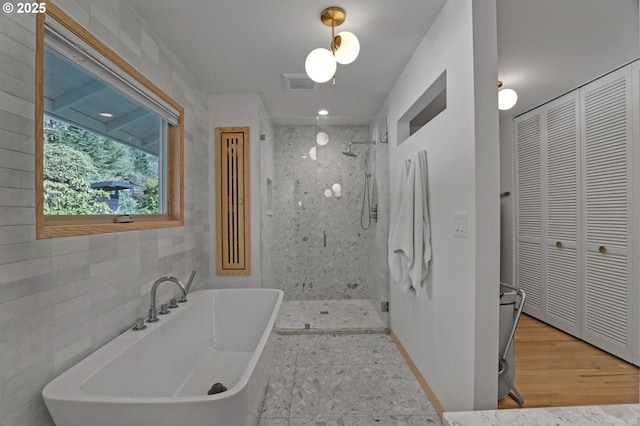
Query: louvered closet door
x,y
606,213
529,210
561,136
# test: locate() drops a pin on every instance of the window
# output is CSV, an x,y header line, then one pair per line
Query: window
x,y
109,143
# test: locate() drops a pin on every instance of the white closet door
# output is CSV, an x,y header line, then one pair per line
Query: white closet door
x,y
561,135
635,209
606,214
529,210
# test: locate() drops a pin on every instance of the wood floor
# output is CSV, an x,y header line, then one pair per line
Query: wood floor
x,y
554,369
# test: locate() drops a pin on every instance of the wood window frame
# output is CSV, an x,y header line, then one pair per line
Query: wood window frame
x,y
233,204
52,226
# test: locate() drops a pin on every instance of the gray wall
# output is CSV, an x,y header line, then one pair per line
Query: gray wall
x,y
303,267
61,299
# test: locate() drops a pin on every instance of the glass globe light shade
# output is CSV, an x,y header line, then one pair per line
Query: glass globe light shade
x,y
337,190
349,48
322,138
320,65
507,98
312,153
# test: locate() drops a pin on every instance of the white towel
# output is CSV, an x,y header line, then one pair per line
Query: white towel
x,y
410,240
396,268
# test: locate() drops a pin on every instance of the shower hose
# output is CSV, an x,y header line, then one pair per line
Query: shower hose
x,y
366,199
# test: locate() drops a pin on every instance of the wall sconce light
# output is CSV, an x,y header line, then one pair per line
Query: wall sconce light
x,y
507,98
328,193
321,63
337,190
313,153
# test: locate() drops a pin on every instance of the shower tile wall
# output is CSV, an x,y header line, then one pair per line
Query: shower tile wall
x,y
303,267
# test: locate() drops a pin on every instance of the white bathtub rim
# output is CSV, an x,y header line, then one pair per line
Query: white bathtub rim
x,y
83,371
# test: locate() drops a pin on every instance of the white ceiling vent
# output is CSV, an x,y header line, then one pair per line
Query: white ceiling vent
x,y
298,82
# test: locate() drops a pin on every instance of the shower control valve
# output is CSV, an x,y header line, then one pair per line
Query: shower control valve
x,y
374,212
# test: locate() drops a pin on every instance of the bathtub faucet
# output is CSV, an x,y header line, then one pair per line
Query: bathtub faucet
x,y
153,312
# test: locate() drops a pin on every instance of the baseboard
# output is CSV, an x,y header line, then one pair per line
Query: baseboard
x,y
423,383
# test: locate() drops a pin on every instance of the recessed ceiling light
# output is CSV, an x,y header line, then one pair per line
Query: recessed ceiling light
x,y
323,112
106,114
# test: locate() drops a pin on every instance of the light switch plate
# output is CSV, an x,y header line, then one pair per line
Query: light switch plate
x,y
460,224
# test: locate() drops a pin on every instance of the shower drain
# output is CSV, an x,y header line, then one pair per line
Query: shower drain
x,y
324,312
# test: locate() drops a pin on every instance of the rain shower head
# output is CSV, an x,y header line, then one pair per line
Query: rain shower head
x,y
349,152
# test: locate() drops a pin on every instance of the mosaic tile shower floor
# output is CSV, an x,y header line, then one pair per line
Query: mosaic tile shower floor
x,y
351,315
343,380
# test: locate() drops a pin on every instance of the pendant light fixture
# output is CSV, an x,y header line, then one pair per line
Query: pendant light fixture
x,y
507,98
321,64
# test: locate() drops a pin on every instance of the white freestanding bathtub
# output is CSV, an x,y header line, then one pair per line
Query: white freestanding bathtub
x,y
161,375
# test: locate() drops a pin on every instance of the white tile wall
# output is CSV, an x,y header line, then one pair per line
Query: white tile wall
x,y
61,299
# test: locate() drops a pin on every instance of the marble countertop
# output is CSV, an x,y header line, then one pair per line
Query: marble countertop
x,y
560,416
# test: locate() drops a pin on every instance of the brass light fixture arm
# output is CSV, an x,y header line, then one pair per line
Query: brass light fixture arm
x,y
332,17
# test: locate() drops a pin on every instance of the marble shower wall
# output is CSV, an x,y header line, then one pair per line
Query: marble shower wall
x,y
302,266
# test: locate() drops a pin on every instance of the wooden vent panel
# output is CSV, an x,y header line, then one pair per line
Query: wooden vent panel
x,y
232,201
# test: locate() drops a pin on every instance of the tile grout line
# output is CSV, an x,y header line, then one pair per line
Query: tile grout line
x,y
293,382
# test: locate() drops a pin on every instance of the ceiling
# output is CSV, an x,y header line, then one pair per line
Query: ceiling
x,y
545,47
549,47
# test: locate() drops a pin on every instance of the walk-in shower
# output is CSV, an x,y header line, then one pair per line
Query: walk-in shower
x,y
319,243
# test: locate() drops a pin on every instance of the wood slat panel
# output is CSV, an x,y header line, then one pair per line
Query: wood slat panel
x,y
232,202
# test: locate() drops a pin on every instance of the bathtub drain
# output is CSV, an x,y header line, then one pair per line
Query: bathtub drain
x,y
216,388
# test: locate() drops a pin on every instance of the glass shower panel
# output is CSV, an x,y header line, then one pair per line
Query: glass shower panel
x,y
319,242
379,167
296,242
344,271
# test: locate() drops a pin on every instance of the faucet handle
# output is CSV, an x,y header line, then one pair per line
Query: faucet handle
x,y
164,309
139,325
173,303
153,315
